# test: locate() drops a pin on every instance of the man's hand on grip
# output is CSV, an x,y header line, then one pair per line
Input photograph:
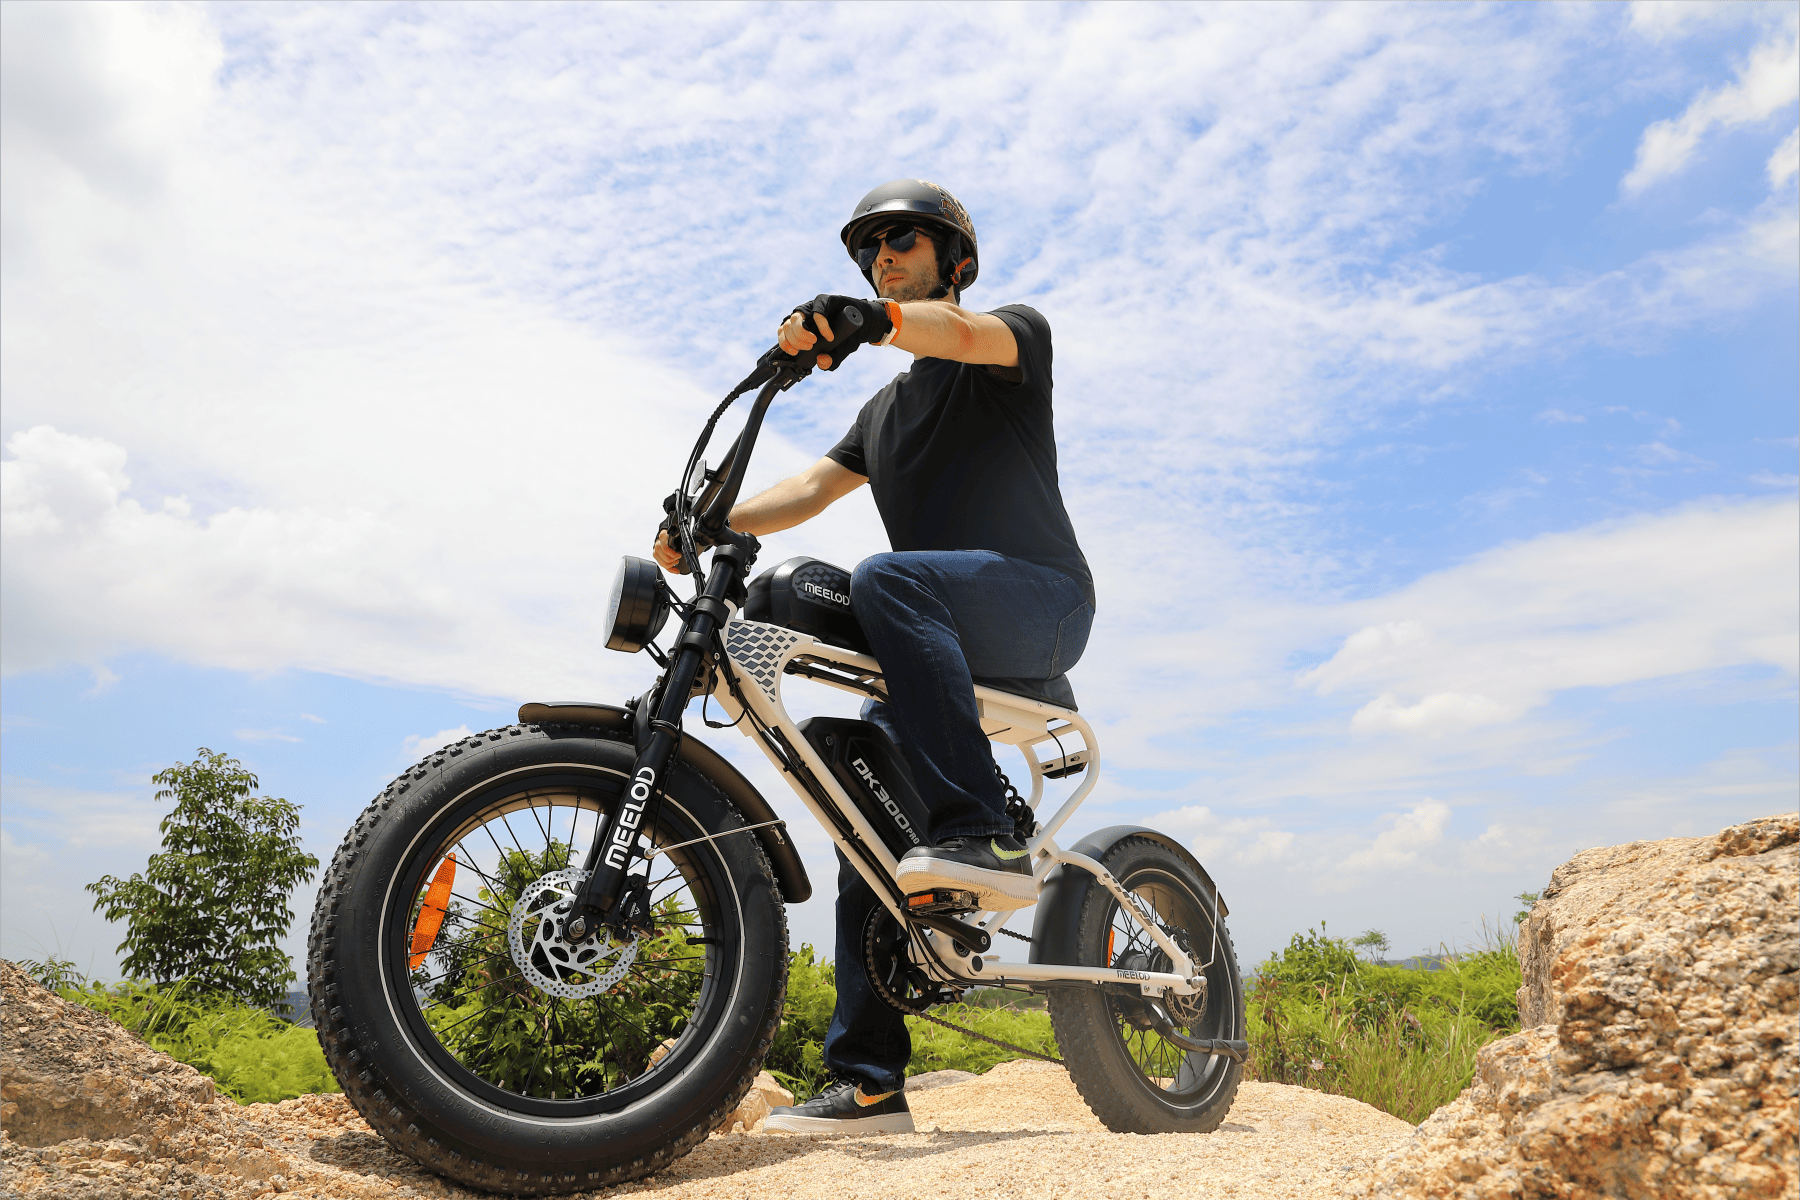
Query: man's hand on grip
x,y
832,327
665,549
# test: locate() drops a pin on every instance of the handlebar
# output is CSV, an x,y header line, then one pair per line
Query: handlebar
x,y
776,371
737,459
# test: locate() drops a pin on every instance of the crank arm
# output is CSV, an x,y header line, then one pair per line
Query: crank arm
x,y
972,936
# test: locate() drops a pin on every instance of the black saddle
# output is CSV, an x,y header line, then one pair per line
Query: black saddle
x,y
813,597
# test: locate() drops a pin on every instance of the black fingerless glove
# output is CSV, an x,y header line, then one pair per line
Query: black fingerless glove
x,y
853,320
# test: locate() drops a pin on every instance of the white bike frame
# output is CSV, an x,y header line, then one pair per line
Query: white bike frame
x,y
762,656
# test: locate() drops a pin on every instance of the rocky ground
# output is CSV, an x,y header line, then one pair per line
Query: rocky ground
x,y
1660,984
1659,1059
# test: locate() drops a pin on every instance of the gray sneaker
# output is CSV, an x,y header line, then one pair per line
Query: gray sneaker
x,y
996,868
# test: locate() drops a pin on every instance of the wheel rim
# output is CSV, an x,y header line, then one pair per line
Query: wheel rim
x,y
1179,1076
490,1023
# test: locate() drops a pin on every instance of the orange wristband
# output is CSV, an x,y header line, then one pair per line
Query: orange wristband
x,y
893,312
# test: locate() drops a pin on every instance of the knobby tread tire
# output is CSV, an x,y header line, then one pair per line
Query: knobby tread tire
x,y
1098,1062
358,1069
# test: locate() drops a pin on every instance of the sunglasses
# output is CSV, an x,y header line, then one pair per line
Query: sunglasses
x,y
899,238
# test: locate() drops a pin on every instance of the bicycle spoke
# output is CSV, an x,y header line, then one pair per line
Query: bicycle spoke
x,y
514,1035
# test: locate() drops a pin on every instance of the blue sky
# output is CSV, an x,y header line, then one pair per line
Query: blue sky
x,y
1425,392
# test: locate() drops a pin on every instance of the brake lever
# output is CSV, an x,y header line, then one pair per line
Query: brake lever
x,y
798,365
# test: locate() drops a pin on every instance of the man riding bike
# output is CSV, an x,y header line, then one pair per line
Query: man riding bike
x,y
985,581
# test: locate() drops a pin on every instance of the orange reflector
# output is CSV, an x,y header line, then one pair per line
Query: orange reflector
x,y
921,898
431,916
1110,935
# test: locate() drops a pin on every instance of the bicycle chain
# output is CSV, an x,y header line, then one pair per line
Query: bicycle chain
x,y
993,1041
905,1006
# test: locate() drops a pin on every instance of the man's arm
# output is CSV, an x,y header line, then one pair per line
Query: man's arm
x,y
783,506
940,329
929,328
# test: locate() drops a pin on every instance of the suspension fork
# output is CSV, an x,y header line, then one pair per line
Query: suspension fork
x,y
609,857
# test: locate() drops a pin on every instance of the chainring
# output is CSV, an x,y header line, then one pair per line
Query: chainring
x,y
891,971
570,971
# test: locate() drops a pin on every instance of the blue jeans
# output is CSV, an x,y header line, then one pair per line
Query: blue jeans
x,y
937,619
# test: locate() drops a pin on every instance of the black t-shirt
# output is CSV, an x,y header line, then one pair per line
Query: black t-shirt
x,y
963,457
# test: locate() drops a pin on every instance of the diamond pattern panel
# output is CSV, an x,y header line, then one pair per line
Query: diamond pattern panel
x,y
756,649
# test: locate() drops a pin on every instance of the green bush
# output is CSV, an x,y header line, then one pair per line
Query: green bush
x,y
212,908
797,1057
938,1049
253,1056
1402,1039
488,1016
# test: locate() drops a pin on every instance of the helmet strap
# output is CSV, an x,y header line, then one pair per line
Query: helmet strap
x,y
948,276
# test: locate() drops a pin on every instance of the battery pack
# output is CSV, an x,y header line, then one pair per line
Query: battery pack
x,y
873,771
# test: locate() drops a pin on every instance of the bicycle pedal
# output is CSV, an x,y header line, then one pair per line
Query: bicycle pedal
x,y
942,900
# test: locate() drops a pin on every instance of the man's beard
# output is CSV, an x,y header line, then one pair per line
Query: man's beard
x,y
911,289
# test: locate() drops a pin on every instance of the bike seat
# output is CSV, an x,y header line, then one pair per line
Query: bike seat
x,y
1046,691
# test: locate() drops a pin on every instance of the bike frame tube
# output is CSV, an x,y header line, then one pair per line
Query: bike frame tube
x,y
760,655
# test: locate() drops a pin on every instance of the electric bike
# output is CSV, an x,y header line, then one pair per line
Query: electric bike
x,y
552,957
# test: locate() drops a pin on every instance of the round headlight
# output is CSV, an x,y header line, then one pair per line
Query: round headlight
x,y
638,609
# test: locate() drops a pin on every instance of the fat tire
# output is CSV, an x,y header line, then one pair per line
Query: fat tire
x,y
1086,1023
381,1065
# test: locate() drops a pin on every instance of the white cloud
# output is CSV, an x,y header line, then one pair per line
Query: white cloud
x,y
263,735
77,819
1413,832
1665,20
1244,841
1701,588
1768,83
1784,164
418,746
1437,713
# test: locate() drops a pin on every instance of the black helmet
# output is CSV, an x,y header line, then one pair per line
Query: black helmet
x,y
959,258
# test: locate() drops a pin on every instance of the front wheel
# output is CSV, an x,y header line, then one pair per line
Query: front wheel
x,y
1132,1078
479,1042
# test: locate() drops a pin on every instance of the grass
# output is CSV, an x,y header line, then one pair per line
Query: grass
x,y
938,1049
1401,1039
253,1056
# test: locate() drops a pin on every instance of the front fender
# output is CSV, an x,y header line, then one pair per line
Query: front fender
x,y
790,872
1053,929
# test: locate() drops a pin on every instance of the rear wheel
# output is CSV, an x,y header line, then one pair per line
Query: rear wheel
x,y
1132,1078
476,1040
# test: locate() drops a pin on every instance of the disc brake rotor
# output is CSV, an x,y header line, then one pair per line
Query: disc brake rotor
x,y
570,970
1186,1011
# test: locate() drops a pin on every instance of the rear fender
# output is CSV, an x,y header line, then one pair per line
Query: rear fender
x,y
1065,889
790,872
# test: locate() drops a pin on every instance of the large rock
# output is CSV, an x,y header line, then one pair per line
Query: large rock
x,y
1659,1060
66,1072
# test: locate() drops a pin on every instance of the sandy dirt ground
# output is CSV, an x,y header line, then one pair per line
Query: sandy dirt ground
x,y
1018,1131
1021,1130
